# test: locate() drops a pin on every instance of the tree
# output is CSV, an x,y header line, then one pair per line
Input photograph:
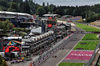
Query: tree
x,y
76,12
47,4
17,1
83,14
9,25
4,63
13,7
43,4
47,9
51,6
25,7
6,25
33,6
41,11
1,60
1,25
4,3
12,10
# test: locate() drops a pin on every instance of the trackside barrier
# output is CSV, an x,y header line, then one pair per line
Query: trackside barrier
x,y
93,56
52,50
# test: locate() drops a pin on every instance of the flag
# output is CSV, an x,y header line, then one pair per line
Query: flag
x,y
17,42
13,25
34,16
22,58
11,43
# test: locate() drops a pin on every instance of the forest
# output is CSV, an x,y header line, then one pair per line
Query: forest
x,y
91,13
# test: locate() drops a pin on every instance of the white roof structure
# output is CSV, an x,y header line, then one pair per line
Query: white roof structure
x,y
44,18
12,37
36,30
41,36
67,16
35,38
14,13
46,15
61,27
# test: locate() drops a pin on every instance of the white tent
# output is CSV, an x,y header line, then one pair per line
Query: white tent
x,y
36,30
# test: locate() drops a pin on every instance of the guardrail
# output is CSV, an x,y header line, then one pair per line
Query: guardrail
x,y
54,49
85,32
93,56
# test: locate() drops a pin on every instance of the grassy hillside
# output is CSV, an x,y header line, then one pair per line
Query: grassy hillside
x,y
87,27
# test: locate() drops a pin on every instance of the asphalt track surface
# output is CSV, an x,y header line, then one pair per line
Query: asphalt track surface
x,y
60,54
63,53
25,63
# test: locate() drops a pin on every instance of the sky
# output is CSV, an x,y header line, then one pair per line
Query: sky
x,y
69,2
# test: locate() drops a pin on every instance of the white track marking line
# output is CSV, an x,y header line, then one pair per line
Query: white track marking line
x,y
68,52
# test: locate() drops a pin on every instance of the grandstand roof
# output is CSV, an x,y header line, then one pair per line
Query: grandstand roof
x,y
50,15
61,27
14,13
66,15
13,37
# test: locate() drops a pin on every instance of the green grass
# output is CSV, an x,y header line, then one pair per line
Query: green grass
x,y
90,37
71,64
87,27
90,45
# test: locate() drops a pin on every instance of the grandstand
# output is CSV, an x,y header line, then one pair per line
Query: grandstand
x,y
15,17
